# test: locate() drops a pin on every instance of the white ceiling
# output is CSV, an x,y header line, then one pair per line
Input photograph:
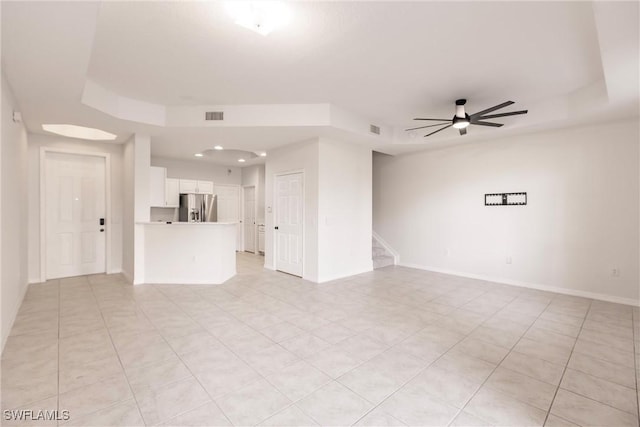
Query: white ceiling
x,y
384,62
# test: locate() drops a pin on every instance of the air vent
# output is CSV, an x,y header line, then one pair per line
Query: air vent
x,y
374,129
214,115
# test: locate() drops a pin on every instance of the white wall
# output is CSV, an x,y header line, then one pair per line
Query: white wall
x,y
255,175
199,169
581,220
302,156
337,206
128,209
136,205
13,211
345,209
114,217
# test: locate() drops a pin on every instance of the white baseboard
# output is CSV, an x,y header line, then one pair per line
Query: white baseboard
x,y
537,286
387,246
325,279
14,314
114,271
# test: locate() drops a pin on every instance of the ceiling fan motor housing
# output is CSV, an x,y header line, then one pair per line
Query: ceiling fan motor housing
x,y
460,108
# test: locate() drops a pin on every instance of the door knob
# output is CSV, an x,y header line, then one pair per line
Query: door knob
x,y
276,227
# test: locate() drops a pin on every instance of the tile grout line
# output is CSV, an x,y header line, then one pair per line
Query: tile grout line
x,y
439,357
332,380
432,362
421,370
564,370
350,370
292,403
119,360
466,336
500,363
240,297
187,366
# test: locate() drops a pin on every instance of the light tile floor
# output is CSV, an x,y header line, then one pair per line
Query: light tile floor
x,y
396,346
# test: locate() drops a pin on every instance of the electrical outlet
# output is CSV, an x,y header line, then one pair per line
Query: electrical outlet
x,y
615,272
508,260
448,252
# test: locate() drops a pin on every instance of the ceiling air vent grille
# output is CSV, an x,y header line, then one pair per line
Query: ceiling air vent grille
x,y
214,115
374,129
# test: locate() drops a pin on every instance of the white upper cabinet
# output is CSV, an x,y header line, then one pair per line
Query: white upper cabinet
x,y
205,187
165,192
157,180
188,186
172,193
196,187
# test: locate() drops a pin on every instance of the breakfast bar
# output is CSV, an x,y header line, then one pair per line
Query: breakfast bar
x,y
189,253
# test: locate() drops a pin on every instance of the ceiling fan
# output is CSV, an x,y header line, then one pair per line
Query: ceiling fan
x,y
461,119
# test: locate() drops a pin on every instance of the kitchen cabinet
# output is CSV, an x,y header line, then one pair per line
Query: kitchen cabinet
x,y
205,187
172,193
157,178
196,187
188,186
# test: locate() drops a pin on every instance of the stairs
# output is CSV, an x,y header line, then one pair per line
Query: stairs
x,y
380,255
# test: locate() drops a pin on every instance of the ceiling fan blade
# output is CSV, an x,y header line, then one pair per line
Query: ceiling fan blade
x,y
448,126
463,131
513,113
428,126
494,108
435,120
495,125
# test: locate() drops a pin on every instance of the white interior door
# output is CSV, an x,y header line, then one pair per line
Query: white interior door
x,y
74,205
288,223
229,208
249,219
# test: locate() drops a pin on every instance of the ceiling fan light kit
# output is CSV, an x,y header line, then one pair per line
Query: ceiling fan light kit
x,y
461,120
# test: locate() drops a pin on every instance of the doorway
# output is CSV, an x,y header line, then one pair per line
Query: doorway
x,y
249,218
73,214
289,220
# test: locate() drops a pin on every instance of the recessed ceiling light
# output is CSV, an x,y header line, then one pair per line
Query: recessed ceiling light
x,y
199,155
241,160
81,132
260,16
263,154
218,147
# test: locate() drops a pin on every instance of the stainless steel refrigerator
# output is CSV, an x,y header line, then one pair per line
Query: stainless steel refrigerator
x,y
198,208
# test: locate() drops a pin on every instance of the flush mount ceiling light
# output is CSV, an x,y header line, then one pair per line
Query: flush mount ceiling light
x,y
199,155
80,132
241,160
218,147
260,16
263,154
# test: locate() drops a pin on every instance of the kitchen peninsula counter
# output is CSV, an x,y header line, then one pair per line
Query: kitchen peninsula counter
x,y
189,253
